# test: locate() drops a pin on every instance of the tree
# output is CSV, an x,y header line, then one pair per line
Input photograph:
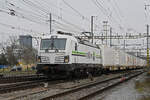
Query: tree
x,y
8,51
12,59
29,55
14,52
3,60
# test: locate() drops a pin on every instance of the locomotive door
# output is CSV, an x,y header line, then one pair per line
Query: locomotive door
x,y
76,49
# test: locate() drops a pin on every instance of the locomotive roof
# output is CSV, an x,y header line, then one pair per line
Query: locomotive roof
x,y
71,38
59,36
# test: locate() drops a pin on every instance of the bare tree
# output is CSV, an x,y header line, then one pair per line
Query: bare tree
x,y
29,55
3,59
2,48
8,51
12,59
15,52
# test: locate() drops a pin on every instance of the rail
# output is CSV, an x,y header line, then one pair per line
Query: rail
x,y
103,85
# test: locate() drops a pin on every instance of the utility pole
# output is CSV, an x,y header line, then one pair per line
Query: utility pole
x,y
50,23
110,36
102,39
147,45
147,37
140,53
124,45
105,29
92,34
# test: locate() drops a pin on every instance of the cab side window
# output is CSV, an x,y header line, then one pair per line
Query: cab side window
x,y
76,47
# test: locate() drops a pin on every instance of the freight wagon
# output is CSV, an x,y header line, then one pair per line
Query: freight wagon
x,y
115,59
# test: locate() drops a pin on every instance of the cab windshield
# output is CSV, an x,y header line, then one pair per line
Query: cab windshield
x,y
53,44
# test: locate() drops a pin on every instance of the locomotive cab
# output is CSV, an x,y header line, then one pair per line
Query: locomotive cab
x,y
54,53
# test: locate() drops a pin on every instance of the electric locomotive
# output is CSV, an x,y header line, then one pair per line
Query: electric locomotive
x,y
64,54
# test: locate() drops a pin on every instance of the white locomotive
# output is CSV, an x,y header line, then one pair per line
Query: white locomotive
x,y
65,54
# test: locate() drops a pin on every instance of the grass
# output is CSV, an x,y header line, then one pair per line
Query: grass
x,y
145,98
142,88
7,71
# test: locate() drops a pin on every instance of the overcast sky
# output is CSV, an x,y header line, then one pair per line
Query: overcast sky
x,y
32,16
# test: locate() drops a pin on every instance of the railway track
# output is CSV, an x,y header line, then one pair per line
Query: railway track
x,y
21,85
88,91
44,93
46,90
7,88
14,79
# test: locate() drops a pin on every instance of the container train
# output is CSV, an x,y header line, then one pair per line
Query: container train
x,y
64,54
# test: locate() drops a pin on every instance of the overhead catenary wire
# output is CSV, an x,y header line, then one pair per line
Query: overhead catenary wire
x,y
63,25
117,12
47,3
74,9
12,12
120,12
28,18
41,13
47,12
40,23
80,14
26,11
65,28
18,28
105,12
24,14
113,6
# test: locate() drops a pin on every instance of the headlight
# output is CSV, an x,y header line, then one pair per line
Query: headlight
x,y
66,59
39,59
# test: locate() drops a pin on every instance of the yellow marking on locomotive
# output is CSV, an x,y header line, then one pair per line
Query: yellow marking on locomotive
x,y
45,67
121,68
149,72
147,57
